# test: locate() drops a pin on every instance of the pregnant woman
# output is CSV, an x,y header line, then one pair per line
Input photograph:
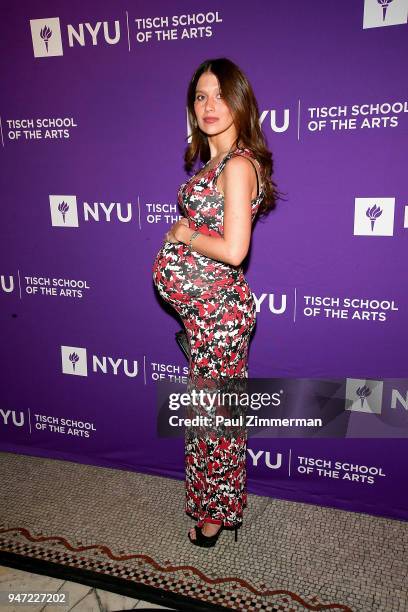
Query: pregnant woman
x,y
198,271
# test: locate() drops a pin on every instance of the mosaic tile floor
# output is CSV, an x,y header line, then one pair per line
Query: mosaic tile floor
x,y
81,597
125,532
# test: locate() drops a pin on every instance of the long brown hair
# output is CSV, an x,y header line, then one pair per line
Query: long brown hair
x,y
239,96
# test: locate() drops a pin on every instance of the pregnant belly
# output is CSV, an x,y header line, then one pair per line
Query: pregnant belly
x,y
182,276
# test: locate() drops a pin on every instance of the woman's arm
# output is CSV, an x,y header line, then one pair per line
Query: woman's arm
x,y
232,247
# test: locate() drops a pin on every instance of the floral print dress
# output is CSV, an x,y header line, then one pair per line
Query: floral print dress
x,y
218,311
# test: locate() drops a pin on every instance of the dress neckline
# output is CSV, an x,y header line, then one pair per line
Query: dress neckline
x,y
216,165
195,179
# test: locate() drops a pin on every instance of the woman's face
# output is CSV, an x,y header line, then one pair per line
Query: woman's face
x,y
209,104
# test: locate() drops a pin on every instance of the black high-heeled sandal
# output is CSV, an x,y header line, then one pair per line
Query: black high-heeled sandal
x,y
203,540
208,541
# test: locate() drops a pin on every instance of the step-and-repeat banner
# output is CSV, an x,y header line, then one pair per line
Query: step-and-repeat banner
x,y
93,131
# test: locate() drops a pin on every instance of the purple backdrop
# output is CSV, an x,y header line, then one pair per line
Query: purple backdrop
x,y
93,129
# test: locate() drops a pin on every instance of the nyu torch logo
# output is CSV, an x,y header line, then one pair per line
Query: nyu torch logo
x,y
46,35
75,362
373,213
73,358
64,210
368,396
47,40
374,216
364,395
384,4
379,13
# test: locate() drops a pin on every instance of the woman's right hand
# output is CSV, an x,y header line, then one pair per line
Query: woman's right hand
x,y
169,236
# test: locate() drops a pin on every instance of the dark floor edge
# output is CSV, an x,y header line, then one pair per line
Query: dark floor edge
x,y
97,580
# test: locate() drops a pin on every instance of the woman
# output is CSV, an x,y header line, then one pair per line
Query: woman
x,y
198,271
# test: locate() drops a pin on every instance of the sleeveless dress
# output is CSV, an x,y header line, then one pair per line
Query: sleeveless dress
x,y
218,312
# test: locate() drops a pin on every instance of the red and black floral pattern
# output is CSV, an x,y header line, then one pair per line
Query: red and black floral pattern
x,y
218,311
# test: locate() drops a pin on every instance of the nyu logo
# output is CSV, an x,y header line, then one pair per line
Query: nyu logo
x,y
266,458
74,362
64,211
272,303
367,396
364,396
11,417
46,36
374,216
378,13
275,127
7,286
47,39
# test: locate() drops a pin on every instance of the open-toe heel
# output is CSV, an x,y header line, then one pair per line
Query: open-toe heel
x,y
203,540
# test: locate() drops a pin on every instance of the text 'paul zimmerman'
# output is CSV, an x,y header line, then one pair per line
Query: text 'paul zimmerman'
x,y
250,420
216,399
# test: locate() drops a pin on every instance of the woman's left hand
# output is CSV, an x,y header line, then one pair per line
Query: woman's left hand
x,y
173,234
